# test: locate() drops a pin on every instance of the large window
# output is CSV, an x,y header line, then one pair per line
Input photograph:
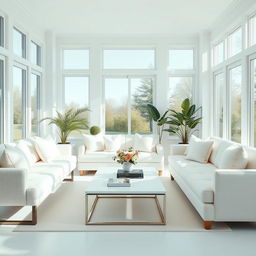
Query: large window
x,y
76,92
19,43
129,59
180,88
253,93
235,82
219,103
181,59
125,104
218,53
35,54
35,103
76,59
1,31
19,100
252,30
235,42
1,99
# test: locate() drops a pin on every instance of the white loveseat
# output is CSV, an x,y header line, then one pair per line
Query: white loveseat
x,y
92,160
217,194
31,186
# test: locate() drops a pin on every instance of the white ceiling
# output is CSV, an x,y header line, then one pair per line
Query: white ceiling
x,y
176,17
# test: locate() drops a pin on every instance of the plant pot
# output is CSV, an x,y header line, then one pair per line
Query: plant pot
x,y
127,166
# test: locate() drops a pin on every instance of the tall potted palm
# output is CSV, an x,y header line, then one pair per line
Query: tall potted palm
x,y
184,123
71,120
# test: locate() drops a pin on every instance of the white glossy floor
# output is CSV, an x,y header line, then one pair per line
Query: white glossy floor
x,y
236,243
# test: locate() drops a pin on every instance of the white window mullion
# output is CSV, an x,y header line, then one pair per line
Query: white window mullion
x,y
129,106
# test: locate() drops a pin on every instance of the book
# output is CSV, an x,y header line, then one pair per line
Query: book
x,y
133,174
112,182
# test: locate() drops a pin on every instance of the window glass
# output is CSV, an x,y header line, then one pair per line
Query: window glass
x,y
253,85
180,88
181,59
116,105
35,104
252,30
235,42
129,59
235,89
35,54
218,53
1,100
18,99
76,59
141,95
19,43
1,31
219,102
76,94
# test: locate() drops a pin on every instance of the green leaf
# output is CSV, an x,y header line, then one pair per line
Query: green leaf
x,y
185,105
153,112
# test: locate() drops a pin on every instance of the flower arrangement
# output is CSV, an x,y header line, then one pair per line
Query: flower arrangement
x,y
126,156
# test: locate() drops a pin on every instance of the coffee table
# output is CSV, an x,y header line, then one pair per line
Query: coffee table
x,y
150,187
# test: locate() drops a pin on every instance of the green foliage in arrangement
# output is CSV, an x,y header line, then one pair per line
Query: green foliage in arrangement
x,y
71,120
94,130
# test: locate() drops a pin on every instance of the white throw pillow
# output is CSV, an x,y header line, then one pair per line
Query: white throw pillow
x,y
13,157
199,150
28,149
46,149
93,142
143,143
112,143
234,157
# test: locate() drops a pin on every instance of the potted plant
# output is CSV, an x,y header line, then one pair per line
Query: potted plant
x,y
71,120
183,123
160,120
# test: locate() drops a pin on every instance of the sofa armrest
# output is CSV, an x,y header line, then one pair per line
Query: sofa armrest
x,y
65,149
13,185
159,149
178,149
79,150
234,196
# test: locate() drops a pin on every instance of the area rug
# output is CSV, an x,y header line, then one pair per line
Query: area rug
x,y
65,211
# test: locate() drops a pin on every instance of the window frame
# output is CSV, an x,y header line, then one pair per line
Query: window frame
x,y
249,37
128,77
228,48
2,31
38,53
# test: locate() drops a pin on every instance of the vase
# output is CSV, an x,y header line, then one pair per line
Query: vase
x,y
127,166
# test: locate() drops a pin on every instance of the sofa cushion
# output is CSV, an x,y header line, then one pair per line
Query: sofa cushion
x,y
46,149
199,150
93,142
107,157
143,143
112,142
199,177
218,148
29,150
39,186
234,157
251,152
13,157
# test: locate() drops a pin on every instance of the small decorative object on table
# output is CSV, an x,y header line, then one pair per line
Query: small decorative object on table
x,y
126,158
112,182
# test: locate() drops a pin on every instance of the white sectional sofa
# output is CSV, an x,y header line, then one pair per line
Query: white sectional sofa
x,y
102,154
217,194
30,186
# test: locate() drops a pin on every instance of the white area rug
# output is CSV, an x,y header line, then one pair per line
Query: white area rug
x,y
65,211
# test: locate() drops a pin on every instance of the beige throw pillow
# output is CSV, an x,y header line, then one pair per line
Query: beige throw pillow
x,y
199,150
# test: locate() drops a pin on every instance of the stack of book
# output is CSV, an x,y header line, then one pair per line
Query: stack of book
x,y
112,182
133,174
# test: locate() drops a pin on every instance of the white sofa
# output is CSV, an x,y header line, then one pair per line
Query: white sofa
x,y
30,187
94,160
217,194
